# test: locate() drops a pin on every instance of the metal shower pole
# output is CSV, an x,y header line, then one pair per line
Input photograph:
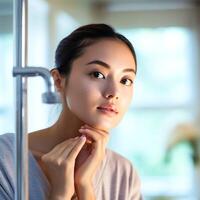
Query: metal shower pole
x,y
20,59
21,70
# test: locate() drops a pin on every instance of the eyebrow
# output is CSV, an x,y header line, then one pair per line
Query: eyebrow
x,y
107,66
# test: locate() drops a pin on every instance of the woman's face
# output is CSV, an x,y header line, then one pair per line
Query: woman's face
x,y
100,85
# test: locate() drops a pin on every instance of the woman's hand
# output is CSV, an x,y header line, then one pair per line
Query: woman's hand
x,y
59,165
85,172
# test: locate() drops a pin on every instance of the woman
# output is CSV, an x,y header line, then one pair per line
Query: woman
x,y
94,75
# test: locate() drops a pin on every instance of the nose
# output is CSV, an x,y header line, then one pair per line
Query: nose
x,y
111,91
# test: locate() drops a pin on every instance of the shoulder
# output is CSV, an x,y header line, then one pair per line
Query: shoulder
x,y
121,166
7,143
8,138
7,149
7,165
117,160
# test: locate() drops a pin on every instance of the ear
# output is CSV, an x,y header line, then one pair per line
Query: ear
x,y
59,81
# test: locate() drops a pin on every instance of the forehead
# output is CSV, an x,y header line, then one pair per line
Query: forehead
x,y
112,51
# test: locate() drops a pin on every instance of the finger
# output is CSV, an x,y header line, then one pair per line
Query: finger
x,y
60,155
75,151
58,149
103,133
99,142
94,129
92,134
54,154
68,149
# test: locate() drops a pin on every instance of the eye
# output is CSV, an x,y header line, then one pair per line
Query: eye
x,y
127,82
97,74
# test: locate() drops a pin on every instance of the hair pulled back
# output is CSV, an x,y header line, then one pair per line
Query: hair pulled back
x,y
72,46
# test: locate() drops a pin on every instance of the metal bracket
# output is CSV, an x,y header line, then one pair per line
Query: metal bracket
x,y
48,97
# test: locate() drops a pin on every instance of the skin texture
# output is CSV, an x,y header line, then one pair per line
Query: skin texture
x,y
90,92
68,160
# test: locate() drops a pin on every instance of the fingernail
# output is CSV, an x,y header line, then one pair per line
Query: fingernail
x,y
83,137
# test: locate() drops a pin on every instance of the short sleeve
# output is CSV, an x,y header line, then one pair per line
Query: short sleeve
x,y
7,166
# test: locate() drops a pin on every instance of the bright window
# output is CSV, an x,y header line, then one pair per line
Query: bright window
x,y
163,96
7,114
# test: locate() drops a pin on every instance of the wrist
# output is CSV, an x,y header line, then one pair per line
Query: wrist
x,y
56,196
85,191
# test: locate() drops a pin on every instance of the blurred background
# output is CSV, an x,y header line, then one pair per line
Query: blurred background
x,y
161,132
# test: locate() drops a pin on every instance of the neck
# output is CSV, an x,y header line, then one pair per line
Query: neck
x,y
66,127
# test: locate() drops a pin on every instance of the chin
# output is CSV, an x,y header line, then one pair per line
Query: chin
x,y
102,126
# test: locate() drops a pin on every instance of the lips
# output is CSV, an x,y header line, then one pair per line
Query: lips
x,y
108,108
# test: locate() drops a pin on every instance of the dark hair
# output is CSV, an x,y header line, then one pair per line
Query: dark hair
x,y
72,46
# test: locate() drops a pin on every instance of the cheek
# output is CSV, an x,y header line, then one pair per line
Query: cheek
x,y
82,98
126,100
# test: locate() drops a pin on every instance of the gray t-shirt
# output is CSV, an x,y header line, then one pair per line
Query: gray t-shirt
x,y
116,179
